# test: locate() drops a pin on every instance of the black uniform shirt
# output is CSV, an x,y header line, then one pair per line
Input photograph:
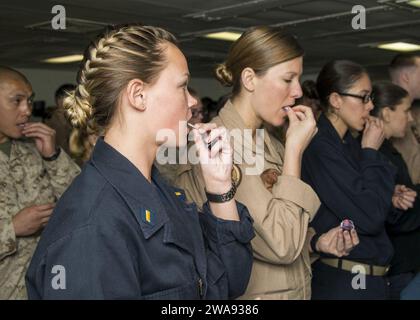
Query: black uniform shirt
x,y
352,183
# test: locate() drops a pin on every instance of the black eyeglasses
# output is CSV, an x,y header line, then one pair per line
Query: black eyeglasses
x,y
366,98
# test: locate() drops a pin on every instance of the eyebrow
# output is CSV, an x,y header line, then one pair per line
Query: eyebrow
x,y
188,77
23,95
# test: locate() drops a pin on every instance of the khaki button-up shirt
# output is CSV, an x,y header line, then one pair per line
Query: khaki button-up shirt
x,y
25,180
281,268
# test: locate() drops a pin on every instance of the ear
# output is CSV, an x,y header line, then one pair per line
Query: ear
x,y
248,78
386,114
335,101
405,76
135,91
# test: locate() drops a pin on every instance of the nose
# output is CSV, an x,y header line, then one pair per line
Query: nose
x,y
27,108
370,106
296,90
192,101
410,117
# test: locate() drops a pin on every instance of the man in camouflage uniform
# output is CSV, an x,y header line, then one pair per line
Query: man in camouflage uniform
x,y
33,174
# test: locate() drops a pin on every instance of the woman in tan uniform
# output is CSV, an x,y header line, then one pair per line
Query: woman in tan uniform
x,y
264,66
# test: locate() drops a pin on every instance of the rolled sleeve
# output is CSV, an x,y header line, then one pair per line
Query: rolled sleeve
x,y
226,231
61,171
306,198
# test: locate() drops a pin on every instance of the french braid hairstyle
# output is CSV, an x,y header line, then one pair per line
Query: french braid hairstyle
x,y
122,53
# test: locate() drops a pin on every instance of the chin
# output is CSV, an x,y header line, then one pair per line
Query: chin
x,y
360,127
277,122
15,135
400,135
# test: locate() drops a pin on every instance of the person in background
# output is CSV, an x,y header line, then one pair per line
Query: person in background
x,y
197,110
58,120
415,112
353,180
404,71
310,97
392,105
34,173
264,66
208,104
212,108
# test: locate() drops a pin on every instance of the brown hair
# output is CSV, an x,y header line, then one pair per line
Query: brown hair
x,y
120,54
259,48
387,94
337,76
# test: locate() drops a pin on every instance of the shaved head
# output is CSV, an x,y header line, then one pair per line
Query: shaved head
x,y
16,98
7,73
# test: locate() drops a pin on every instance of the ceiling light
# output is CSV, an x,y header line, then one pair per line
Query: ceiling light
x,y
65,59
414,3
223,35
400,46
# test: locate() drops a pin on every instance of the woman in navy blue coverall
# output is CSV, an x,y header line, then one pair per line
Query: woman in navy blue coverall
x,y
119,231
354,181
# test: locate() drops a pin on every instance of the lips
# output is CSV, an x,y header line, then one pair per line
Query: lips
x,y
21,125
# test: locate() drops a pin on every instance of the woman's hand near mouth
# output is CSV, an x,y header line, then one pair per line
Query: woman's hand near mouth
x,y
373,134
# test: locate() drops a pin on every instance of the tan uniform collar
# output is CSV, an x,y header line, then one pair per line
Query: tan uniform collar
x,y
230,118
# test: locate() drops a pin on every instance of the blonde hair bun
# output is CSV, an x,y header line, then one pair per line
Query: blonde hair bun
x,y
79,109
224,75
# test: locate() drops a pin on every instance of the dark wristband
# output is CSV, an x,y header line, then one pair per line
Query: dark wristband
x,y
54,156
220,198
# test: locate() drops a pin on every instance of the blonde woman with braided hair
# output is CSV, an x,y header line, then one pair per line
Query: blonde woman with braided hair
x,y
120,232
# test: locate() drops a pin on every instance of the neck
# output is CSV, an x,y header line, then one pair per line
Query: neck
x,y
140,152
243,106
387,132
3,138
338,125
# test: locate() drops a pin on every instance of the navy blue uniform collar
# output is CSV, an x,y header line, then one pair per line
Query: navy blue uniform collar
x,y
138,193
387,147
325,125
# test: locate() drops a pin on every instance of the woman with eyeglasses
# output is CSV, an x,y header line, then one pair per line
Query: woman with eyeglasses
x,y
353,181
